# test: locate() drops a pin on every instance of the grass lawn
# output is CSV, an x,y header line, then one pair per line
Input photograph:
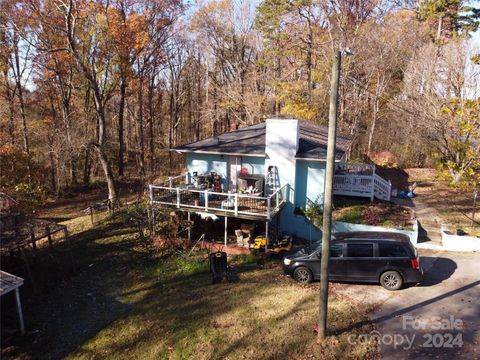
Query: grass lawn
x,y
361,211
129,302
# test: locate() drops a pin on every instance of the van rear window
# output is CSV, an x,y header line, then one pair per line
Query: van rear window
x,y
360,250
391,250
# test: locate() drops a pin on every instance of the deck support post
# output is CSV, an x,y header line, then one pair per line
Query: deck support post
x,y
206,200
225,235
150,191
266,237
19,311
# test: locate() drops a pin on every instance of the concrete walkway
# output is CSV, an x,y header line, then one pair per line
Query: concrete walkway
x,y
429,233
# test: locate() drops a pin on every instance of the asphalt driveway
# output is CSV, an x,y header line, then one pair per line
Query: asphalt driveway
x,y
440,317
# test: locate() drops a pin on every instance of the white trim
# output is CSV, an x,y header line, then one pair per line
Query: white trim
x,y
216,153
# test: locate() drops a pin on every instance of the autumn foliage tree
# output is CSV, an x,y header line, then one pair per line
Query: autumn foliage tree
x,y
101,90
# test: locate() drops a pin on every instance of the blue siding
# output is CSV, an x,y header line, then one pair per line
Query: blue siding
x,y
310,182
206,163
254,165
309,185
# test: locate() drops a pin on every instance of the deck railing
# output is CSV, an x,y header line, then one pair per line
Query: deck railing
x,y
219,202
358,169
362,185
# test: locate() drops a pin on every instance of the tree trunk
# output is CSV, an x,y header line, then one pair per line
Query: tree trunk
x,y
18,81
170,132
87,168
121,114
141,136
112,194
151,128
98,96
53,177
374,121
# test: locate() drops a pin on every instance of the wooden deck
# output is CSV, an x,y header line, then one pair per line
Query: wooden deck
x,y
222,204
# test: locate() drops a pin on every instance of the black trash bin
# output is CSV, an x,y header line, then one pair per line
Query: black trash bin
x,y
218,266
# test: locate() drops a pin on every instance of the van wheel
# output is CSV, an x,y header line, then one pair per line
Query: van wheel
x,y
391,280
303,275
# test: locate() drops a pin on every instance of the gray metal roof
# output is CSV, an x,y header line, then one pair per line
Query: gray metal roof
x,y
251,141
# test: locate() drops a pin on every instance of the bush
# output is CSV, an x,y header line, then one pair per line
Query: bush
x,y
29,196
314,212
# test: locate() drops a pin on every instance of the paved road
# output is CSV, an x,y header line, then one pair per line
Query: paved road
x,y
439,318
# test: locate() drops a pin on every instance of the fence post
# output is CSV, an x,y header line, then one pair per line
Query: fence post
x,y
170,182
150,190
206,200
178,197
236,203
49,236
32,238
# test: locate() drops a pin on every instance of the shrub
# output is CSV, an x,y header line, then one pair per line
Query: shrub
x,y
29,196
314,212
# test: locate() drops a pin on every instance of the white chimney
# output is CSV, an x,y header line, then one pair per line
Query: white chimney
x,y
281,145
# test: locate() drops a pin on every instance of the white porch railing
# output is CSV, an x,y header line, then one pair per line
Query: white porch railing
x,y
360,180
382,189
235,204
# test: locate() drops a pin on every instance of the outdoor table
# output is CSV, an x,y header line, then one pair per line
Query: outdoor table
x,y
8,283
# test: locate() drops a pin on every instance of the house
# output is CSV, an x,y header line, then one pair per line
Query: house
x,y
266,172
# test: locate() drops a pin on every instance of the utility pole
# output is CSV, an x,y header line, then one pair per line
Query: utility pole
x,y
327,208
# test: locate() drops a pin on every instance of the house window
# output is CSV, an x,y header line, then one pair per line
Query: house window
x,y
360,250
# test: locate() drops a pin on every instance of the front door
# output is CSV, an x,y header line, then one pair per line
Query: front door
x,y
234,169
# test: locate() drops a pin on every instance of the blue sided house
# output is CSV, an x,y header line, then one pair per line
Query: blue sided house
x,y
266,172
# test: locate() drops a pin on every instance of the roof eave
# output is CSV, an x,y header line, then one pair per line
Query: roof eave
x,y
317,159
180,151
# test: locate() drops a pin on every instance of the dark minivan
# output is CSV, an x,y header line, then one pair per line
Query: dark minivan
x,y
378,257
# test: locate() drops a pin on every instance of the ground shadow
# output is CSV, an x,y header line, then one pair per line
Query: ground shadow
x,y
441,270
423,234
